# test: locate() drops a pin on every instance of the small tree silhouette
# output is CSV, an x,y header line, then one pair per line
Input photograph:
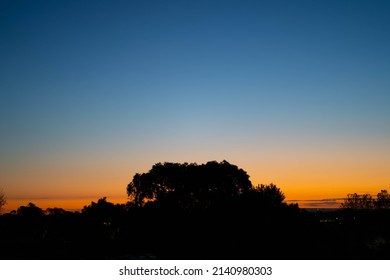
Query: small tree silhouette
x,y
271,194
358,202
3,201
382,200
30,211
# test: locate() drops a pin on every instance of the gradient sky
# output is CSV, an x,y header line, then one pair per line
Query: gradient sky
x,y
294,92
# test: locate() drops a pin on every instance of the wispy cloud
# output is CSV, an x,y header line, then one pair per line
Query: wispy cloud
x,y
318,203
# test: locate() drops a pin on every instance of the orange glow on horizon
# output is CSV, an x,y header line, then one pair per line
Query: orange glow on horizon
x,y
77,204
70,204
304,181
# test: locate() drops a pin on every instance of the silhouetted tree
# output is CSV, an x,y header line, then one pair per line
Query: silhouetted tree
x,y
30,211
31,221
356,201
270,194
366,201
55,211
263,196
103,213
189,185
382,200
2,200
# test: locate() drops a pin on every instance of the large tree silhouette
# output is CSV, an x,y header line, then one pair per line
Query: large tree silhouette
x,y
189,185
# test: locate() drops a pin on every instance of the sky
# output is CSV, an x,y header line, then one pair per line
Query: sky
x,y
296,93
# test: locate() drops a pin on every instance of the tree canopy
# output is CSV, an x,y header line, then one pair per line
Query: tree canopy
x,y
268,195
189,185
30,211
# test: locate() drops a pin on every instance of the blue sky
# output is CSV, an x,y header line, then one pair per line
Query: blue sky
x,y
115,86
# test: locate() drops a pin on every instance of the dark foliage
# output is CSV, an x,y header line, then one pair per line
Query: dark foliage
x,y
366,201
189,185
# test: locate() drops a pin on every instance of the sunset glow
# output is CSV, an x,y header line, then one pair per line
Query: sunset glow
x,y
296,94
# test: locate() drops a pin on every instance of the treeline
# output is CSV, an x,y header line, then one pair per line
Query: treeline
x,y
103,230
367,201
191,211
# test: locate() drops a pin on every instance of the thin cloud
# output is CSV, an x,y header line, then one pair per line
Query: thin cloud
x,y
318,203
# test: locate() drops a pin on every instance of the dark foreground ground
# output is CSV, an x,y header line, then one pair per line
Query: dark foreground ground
x,y
113,232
